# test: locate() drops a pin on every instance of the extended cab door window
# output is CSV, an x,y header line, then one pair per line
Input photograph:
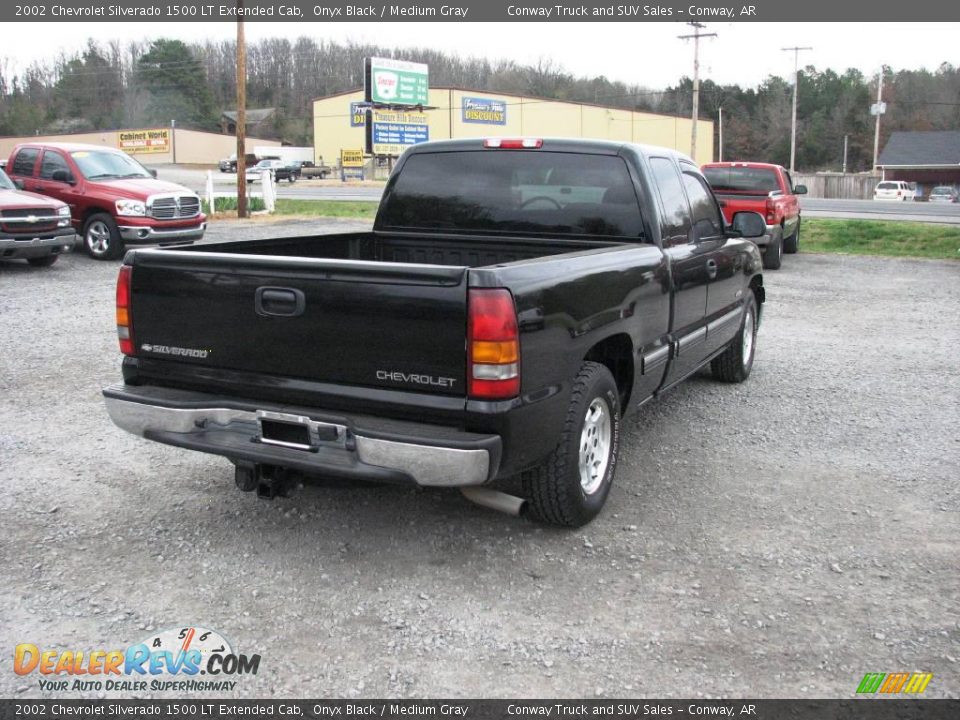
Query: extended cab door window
x,y
24,162
789,181
52,161
675,227
707,221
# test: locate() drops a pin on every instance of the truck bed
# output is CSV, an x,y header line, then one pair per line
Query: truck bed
x,y
470,252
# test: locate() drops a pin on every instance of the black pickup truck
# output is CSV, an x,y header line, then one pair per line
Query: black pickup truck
x,y
514,299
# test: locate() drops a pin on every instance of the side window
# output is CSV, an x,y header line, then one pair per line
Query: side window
x,y
24,161
789,181
676,212
706,216
52,161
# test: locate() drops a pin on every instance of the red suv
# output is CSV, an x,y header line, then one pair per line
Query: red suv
x,y
114,201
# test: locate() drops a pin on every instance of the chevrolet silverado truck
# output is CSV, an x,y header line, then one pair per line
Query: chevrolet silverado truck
x,y
114,200
766,189
514,299
32,227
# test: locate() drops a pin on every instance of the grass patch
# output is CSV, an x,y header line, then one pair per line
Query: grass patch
x,y
229,204
872,237
359,210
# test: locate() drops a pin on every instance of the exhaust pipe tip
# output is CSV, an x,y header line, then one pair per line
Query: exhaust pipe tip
x,y
495,500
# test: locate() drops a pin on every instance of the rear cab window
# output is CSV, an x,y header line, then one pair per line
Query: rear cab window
x,y
24,161
742,180
516,191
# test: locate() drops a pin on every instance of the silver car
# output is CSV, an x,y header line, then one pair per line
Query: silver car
x,y
943,193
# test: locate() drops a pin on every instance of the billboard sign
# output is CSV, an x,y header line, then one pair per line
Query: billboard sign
x,y
358,114
485,111
396,82
390,132
144,141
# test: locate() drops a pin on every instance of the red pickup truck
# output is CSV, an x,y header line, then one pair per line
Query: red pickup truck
x,y
114,200
32,227
766,189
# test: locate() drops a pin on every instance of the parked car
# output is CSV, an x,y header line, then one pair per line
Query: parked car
x,y
114,200
315,170
943,193
230,164
32,227
279,169
493,323
766,189
894,190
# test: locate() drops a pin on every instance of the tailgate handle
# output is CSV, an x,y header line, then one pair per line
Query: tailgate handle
x,y
279,302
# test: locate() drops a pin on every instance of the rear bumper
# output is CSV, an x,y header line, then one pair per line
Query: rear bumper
x,y
147,234
352,447
25,248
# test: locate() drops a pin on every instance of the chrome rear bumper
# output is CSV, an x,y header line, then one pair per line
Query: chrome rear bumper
x,y
339,448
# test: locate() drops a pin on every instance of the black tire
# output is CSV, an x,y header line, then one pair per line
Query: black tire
x,y
792,244
292,179
101,237
773,253
45,261
736,362
554,489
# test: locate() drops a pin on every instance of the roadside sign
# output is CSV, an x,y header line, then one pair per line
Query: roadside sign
x,y
144,141
358,114
351,158
390,132
486,111
396,82
878,108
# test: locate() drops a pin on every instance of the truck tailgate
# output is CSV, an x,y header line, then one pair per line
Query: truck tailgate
x,y
389,325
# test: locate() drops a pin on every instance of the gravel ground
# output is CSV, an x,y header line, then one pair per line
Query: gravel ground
x,y
775,539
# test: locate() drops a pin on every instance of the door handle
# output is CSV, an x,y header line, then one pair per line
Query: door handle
x,y
279,302
711,269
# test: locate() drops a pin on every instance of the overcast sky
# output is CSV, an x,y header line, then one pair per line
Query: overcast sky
x,y
646,53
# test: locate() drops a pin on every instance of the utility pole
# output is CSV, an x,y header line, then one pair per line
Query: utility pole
x,y
878,110
697,27
793,123
720,114
846,138
241,115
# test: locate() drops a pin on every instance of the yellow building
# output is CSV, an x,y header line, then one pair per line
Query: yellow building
x,y
338,124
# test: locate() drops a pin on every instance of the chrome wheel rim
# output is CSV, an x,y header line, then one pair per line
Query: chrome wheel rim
x,y
747,337
98,237
595,441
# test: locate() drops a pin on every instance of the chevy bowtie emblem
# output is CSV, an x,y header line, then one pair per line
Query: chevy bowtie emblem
x,y
31,218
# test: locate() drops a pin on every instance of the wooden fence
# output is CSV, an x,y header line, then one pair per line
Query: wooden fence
x,y
838,185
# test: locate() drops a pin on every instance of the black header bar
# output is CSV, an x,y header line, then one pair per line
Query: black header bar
x,y
482,11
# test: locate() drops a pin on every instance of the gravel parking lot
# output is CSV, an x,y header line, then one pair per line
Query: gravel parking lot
x,y
775,539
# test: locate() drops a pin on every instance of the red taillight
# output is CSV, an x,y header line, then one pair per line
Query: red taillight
x,y
124,320
513,143
493,345
898,193
771,212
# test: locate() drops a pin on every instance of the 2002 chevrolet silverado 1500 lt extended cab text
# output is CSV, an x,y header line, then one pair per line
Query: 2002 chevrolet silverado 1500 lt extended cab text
x,y
513,300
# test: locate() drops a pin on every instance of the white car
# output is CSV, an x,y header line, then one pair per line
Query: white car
x,y
894,190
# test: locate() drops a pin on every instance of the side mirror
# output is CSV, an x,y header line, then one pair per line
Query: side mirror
x,y
62,176
749,224
18,184
152,171
799,189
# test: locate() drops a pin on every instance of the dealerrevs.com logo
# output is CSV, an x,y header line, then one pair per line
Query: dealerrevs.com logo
x,y
176,660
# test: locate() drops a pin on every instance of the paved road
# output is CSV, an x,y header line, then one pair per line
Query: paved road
x,y
812,207
778,538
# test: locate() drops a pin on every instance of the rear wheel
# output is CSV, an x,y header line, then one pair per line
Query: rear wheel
x,y
773,255
792,244
101,238
736,362
571,486
45,261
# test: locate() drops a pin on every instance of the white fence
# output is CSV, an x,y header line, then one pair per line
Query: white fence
x,y
267,191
